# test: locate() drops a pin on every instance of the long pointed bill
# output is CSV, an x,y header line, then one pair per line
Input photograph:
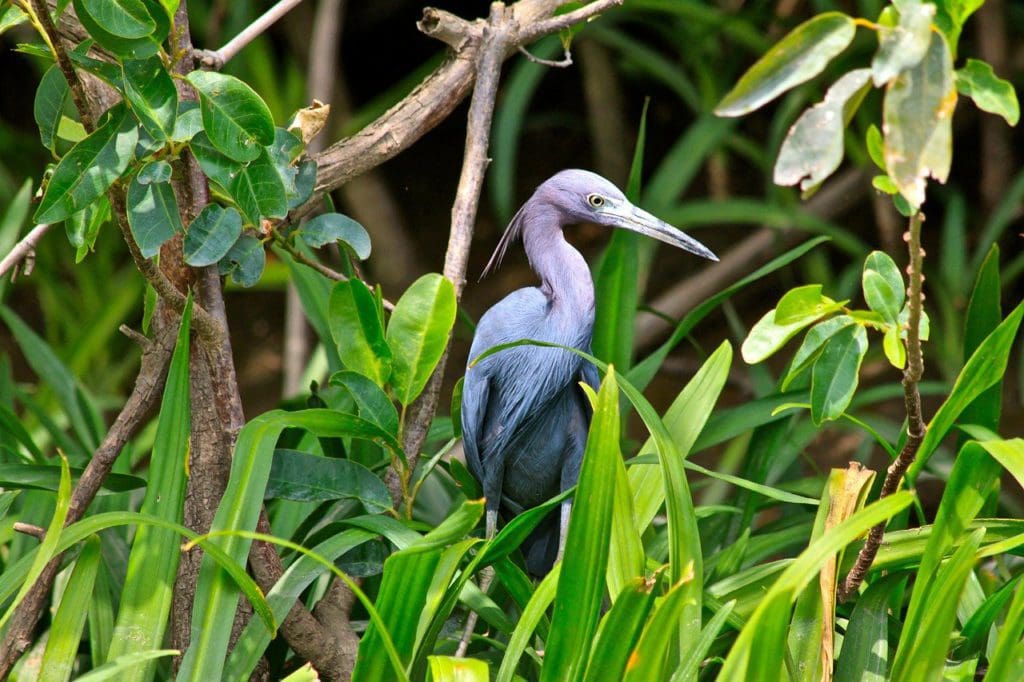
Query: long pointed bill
x,y
638,220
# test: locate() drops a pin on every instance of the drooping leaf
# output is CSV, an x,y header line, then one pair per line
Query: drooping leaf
x,y
244,261
211,235
813,148
818,335
418,333
153,215
89,169
257,189
296,475
371,402
51,100
151,95
835,373
903,46
236,119
358,331
330,227
795,59
95,14
990,93
917,116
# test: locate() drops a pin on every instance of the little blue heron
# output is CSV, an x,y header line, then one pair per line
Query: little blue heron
x,y
524,416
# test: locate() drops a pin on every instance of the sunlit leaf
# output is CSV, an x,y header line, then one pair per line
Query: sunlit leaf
x,y
124,18
358,331
153,215
795,59
418,333
989,92
236,119
151,94
917,116
818,335
813,149
835,373
903,46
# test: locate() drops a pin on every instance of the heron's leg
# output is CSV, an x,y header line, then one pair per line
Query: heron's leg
x,y
486,577
563,529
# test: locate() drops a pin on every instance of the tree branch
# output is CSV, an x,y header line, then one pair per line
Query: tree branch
x,y
85,112
24,248
216,59
912,400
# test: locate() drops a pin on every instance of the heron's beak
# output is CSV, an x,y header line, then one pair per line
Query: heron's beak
x,y
629,217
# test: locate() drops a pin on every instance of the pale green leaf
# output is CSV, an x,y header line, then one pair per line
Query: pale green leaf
x,y
418,333
153,215
989,92
903,46
211,235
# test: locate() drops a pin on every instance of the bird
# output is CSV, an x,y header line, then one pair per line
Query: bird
x,y
524,415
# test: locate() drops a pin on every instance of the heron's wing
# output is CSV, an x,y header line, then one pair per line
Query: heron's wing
x,y
475,392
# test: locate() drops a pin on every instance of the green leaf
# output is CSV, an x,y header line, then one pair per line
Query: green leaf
x,y
951,17
305,182
151,95
188,123
124,18
620,629
83,227
258,191
358,331
239,509
800,302
156,171
211,235
451,669
816,338
903,46
66,630
581,583
875,146
302,477
153,215
89,169
47,477
865,652
10,17
917,117
1005,662
984,313
236,119
95,15
886,291
986,367
418,333
244,261
649,660
989,92
795,59
768,336
215,165
835,373
113,670
50,102
48,547
142,616
895,351
371,402
813,148
532,614
330,227
750,657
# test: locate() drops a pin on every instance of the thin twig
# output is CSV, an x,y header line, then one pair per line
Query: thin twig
x,y
563,21
78,95
327,272
912,400
30,529
24,248
216,59
553,63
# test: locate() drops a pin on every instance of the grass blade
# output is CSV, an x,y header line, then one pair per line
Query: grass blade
x,y
69,622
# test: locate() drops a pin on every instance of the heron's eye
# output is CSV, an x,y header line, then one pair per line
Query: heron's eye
x,y
595,200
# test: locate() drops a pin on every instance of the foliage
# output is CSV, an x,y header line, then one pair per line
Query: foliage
x,y
672,570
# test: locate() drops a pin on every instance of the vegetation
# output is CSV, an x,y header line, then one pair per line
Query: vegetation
x,y
152,532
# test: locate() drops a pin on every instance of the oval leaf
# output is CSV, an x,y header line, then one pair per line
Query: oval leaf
x,y
151,94
89,169
989,92
330,227
153,215
217,167
795,59
124,18
302,477
244,261
418,333
917,120
94,14
51,100
835,373
258,190
358,330
237,120
211,235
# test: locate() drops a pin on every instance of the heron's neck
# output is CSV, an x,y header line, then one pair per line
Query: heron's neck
x,y
565,277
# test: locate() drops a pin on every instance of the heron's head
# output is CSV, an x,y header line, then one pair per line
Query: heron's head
x,y
581,196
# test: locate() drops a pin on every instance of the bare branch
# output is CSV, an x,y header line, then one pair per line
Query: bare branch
x,y
565,62
531,32
216,59
30,529
24,248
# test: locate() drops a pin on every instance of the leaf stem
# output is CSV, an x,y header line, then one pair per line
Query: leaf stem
x,y
912,401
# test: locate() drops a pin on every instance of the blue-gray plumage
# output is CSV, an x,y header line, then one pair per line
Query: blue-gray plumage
x,y
524,416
